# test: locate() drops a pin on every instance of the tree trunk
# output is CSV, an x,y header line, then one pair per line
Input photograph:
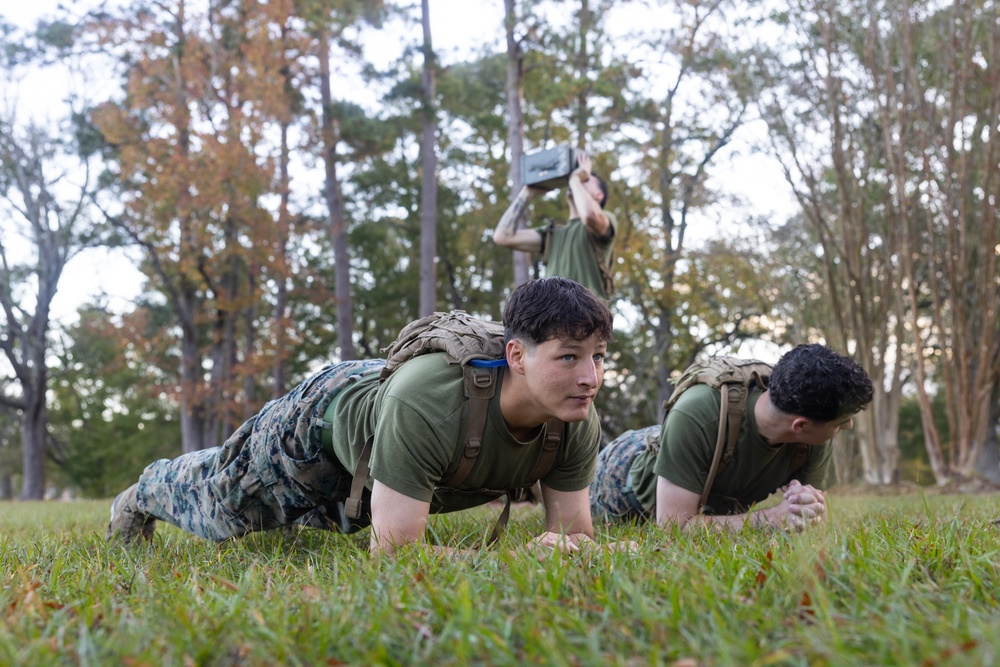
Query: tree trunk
x,y
192,400
428,184
988,463
335,207
51,224
515,125
35,375
583,66
33,430
280,366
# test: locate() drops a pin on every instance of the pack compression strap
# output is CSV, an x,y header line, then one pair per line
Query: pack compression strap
x,y
734,399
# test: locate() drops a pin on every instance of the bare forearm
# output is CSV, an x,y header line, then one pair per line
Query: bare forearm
x,y
508,222
755,519
588,209
785,516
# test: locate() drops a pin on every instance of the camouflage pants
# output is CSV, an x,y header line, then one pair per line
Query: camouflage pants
x,y
270,472
611,495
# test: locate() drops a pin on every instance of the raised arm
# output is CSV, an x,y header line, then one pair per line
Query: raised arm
x,y
583,200
506,235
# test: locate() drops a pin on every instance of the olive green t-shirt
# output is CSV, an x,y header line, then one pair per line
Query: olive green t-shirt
x,y
687,444
570,253
418,419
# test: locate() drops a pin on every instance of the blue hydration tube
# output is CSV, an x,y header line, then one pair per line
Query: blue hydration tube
x,y
488,363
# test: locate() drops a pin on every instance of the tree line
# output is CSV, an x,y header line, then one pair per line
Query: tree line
x,y
282,222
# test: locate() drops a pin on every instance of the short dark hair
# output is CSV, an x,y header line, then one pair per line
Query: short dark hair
x,y
546,308
604,188
815,382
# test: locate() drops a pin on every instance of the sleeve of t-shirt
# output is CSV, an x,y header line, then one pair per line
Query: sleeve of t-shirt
x,y
575,465
819,470
687,443
407,454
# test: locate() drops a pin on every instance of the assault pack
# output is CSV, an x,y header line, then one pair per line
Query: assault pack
x,y
733,378
478,346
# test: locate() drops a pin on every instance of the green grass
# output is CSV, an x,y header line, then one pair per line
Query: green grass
x,y
907,580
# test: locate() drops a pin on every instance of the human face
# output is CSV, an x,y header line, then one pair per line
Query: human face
x,y
562,376
592,186
820,433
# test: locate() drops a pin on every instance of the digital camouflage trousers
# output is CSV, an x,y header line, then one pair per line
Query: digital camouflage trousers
x,y
269,473
611,495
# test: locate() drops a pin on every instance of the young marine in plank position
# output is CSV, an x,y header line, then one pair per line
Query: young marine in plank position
x,y
296,453
812,394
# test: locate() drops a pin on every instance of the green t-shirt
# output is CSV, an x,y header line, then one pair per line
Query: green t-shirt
x,y
570,253
418,418
687,444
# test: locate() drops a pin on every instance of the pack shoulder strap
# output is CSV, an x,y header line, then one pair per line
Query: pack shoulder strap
x,y
353,504
480,386
550,448
547,240
477,346
734,401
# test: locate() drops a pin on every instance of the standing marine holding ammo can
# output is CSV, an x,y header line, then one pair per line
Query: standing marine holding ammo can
x,y
582,248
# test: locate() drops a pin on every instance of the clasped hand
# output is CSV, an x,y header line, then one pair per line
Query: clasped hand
x,y
802,505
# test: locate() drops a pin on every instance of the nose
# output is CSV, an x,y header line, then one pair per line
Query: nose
x,y
590,376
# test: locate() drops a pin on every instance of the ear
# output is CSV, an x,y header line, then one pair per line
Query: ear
x,y
516,353
799,424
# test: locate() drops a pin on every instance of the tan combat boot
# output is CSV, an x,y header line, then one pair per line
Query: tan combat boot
x,y
127,522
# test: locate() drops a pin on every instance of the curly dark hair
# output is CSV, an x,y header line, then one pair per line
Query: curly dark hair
x,y
539,310
815,382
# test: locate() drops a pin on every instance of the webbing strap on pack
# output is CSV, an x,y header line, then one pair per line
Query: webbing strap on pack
x,y
352,506
501,523
480,386
734,400
547,457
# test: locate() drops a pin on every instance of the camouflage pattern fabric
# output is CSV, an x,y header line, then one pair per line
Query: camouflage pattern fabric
x,y
611,498
269,473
